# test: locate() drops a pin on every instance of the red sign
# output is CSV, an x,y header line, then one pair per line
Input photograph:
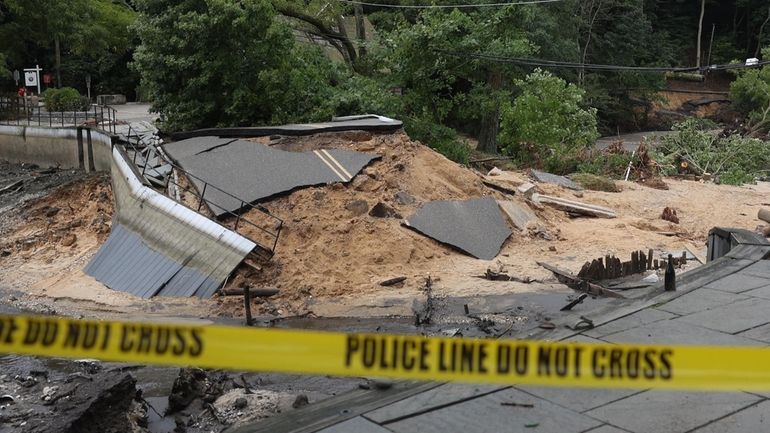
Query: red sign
x,y
47,78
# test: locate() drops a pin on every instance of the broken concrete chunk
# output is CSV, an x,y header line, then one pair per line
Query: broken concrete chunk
x,y
357,207
520,216
574,206
764,215
381,210
404,198
669,214
526,189
544,177
68,240
495,172
475,226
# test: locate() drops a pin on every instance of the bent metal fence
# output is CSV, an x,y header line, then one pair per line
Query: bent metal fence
x,y
16,111
261,227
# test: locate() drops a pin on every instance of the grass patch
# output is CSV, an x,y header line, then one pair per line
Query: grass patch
x,y
595,183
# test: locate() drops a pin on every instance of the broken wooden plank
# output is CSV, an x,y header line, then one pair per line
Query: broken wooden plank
x,y
520,216
501,276
264,292
577,283
698,257
574,206
497,186
392,281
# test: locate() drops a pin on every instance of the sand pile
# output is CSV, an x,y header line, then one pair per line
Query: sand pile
x,y
332,243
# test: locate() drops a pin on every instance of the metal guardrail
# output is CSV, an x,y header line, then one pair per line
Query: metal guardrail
x,y
236,219
14,112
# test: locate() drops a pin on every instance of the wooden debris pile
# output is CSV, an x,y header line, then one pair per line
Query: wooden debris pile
x,y
610,267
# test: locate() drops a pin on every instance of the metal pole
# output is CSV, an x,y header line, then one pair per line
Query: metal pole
x,y
238,220
200,201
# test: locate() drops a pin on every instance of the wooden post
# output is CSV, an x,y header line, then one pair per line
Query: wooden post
x,y
684,258
247,304
649,259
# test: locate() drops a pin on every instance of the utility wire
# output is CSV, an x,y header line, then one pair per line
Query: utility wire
x,y
593,66
444,6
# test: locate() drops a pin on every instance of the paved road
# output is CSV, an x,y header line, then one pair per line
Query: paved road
x,y
134,112
631,141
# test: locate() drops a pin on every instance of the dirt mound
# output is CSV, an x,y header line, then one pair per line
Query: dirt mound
x,y
75,214
341,239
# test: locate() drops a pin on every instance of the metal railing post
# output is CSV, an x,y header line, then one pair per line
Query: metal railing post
x,y
238,220
200,201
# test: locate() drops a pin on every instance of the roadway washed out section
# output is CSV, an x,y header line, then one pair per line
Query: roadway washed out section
x,y
255,172
475,226
158,247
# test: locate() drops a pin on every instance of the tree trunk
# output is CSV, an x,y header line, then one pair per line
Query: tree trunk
x,y
759,36
360,30
700,31
584,53
57,61
490,120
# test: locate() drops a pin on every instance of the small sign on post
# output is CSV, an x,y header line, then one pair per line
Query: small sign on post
x,y
16,77
32,77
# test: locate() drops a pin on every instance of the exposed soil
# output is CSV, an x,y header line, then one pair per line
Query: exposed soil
x,y
332,254
329,262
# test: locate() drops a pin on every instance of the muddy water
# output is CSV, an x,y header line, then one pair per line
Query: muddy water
x,y
508,315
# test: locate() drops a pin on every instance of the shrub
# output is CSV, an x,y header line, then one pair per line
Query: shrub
x,y
605,163
731,160
546,124
442,138
750,93
64,99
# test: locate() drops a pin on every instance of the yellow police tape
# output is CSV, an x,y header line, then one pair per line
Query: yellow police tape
x,y
394,356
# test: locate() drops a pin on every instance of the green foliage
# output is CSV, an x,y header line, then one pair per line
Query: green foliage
x,y
444,139
613,164
357,94
93,37
241,68
64,99
4,72
450,89
750,93
546,124
732,160
595,183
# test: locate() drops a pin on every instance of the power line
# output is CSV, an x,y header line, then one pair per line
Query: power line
x,y
480,5
593,66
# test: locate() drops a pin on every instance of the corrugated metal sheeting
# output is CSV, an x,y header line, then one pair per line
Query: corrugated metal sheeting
x,y
126,263
159,247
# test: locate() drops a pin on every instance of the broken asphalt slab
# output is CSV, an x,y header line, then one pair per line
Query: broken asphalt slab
x,y
475,226
370,122
544,177
253,172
